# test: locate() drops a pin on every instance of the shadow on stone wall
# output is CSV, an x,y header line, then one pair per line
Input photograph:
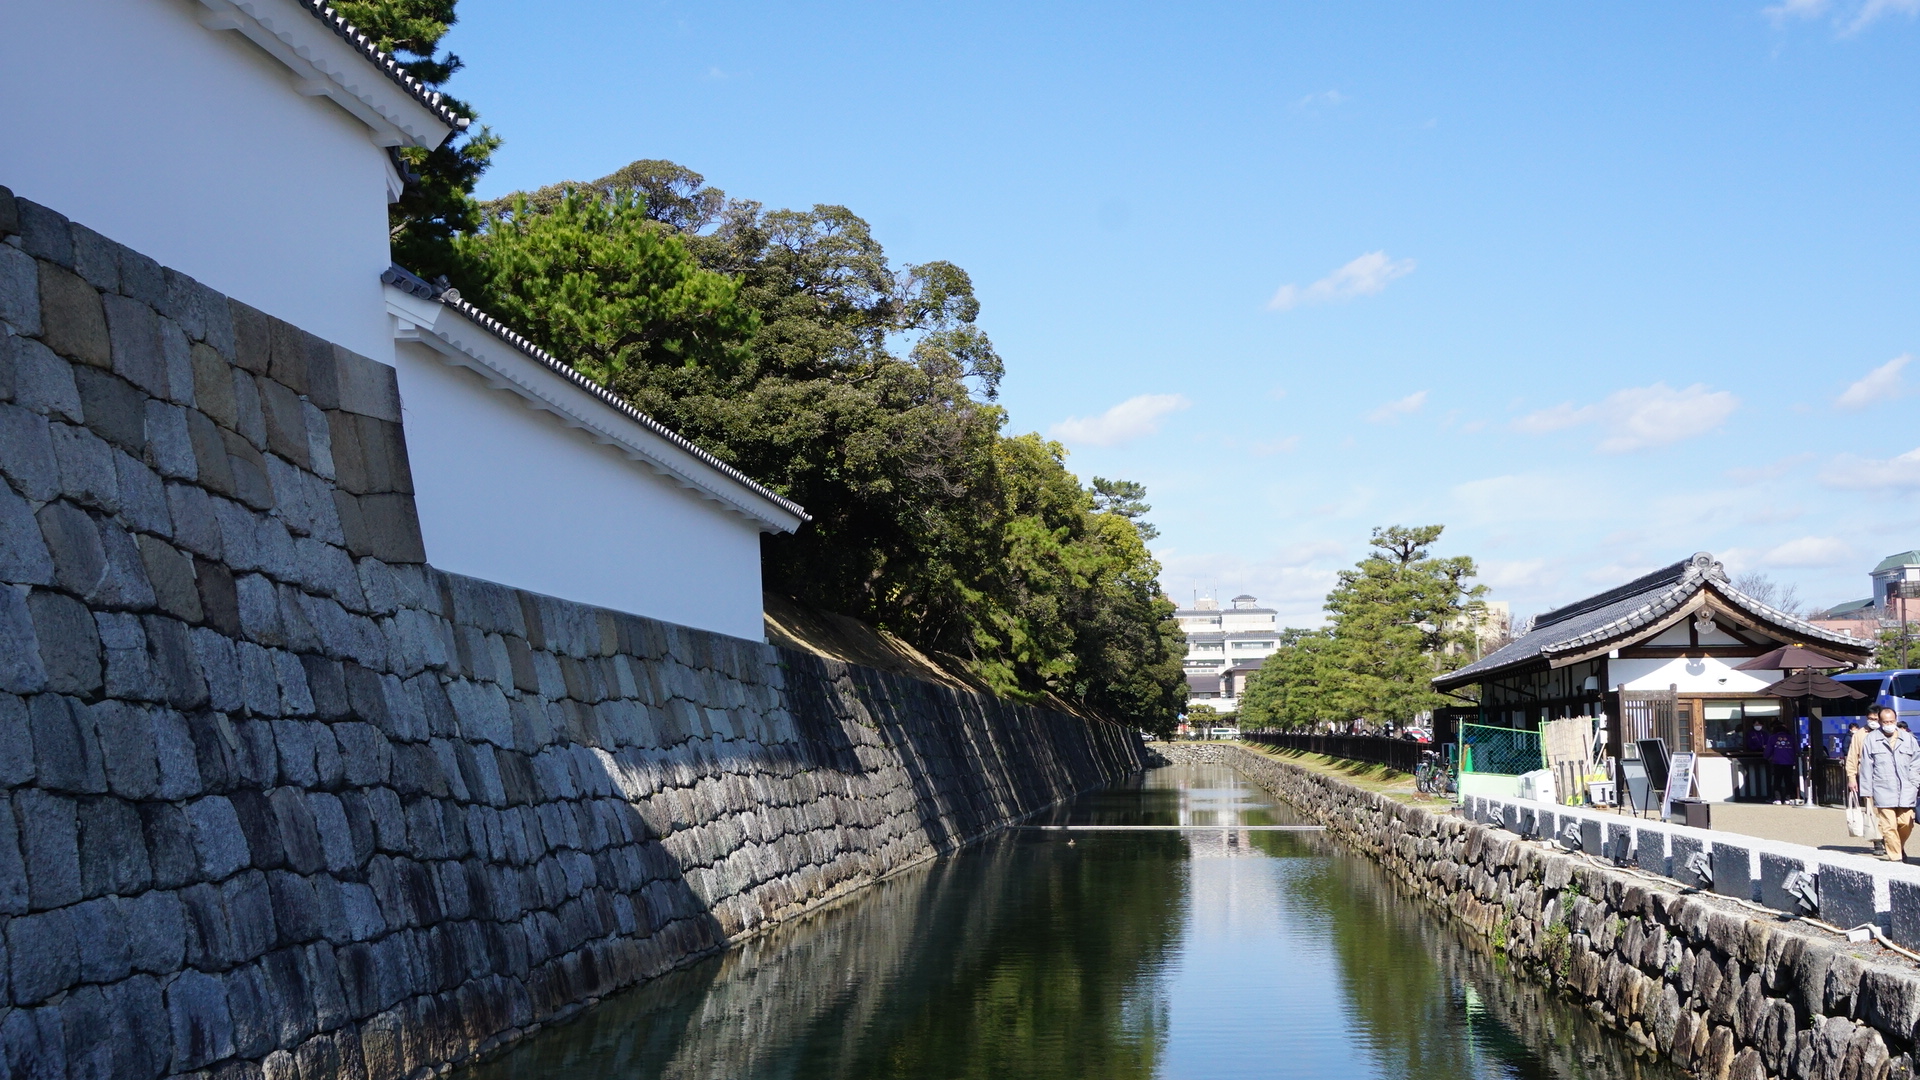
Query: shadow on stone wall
x,y
278,799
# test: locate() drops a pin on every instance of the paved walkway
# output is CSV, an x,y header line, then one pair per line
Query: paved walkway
x,y
1815,826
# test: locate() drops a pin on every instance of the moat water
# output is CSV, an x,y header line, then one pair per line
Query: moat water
x,y
1087,955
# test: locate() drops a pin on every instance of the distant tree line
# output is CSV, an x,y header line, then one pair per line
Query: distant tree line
x,y
1398,618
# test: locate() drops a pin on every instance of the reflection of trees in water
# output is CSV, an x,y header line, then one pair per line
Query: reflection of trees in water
x,y
1016,959
1431,1002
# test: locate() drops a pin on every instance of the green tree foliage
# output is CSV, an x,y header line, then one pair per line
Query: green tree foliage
x,y
1891,650
438,202
787,344
1397,619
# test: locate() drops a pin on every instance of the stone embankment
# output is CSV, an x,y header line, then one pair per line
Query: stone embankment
x,y
279,800
1723,990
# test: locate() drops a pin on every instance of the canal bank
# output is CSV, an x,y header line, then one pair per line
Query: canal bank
x,y
1722,990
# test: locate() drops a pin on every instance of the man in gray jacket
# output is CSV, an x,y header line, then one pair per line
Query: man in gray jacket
x,y
1890,776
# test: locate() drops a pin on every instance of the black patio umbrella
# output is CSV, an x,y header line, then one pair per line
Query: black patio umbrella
x,y
1811,684
1788,657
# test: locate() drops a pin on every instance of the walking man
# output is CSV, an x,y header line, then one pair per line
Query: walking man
x,y
1856,742
1890,776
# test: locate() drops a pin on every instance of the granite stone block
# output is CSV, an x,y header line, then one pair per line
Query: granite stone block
x,y
123,644
113,855
43,955
143,496
19,290
1846,896
169,445
85,465
201,1026
72,321
133,331
24,559
156,931
249,468
26,453
1733,870
170,851
49,845
217,839
45,233
114,408
210,464
1775,869
250,417
41,381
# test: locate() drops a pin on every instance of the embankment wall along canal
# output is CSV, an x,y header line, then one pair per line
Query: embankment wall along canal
x,y
1724,992
278,799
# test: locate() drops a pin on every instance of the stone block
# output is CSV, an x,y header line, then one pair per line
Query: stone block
x,y
42,381
13,872
177,352
217,840
169,446
1650,849
143,496
250,483
19,290
50,847
72,321
113,854
143,279
365,386
194,525
170,571
173,661
133,332
115,409
44,233
1847,896
22,662
85,465
66,750
94,559
213,385
178,758
69,643
44,957
26,453
299,359
101,932
9,214
24,559
124,646
251,421
199,1021
1903,917
1593,837
95,258
1775,869
1733,870
125,736
16,741
286,422
210,462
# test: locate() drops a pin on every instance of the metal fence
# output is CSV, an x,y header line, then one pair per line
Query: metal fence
x,y
1500,751
1399,754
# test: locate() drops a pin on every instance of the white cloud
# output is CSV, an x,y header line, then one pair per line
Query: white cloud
x,y
1881,384
1865,15
1500,574
1640,417
1133,418
1364,276
1815,551
1868,474
1394,410
1313,102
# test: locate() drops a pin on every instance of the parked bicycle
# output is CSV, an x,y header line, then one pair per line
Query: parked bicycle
x,y
1434,775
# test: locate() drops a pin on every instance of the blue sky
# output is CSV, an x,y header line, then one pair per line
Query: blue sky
x,y
1596,287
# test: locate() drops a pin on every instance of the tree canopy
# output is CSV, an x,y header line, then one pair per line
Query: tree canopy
x,y
785,342
1398,618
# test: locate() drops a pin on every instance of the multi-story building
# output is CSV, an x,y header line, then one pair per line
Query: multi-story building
x,y
1224,647
1896,581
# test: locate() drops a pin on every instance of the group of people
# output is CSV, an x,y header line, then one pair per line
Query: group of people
x,y
1883,770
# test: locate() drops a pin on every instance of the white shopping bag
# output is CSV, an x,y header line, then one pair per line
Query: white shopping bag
x,y
1858,823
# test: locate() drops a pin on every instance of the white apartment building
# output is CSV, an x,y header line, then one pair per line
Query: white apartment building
x,y
1224,647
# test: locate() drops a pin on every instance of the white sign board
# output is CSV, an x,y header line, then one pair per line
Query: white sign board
x,y
1679,782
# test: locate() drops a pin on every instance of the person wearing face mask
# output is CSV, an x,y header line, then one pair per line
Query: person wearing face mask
x,y
1856,743
1890,776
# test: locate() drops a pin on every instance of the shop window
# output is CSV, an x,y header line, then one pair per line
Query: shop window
x,y
1728,722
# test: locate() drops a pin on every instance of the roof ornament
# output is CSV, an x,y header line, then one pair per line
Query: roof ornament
x,y
1703,621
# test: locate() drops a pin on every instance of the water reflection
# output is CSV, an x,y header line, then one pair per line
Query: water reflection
x,y
1118,955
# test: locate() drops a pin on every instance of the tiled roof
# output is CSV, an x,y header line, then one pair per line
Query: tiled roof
x,y
432,99
1895,562
402,278
1620,611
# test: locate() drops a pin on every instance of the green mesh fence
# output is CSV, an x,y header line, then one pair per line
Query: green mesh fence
x,y
1498,750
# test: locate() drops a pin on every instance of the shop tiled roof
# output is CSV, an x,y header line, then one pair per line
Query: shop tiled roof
x,y
1618,612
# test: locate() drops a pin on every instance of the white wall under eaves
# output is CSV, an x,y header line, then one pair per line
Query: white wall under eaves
x,y
509,494
194,147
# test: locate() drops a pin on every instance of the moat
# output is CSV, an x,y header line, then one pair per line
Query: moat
x,y
1043,954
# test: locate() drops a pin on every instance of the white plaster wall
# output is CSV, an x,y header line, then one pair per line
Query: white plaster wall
x,y
1692,675
191,146
507,494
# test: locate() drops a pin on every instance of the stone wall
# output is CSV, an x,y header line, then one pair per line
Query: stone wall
x,y
279,800
1720,989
